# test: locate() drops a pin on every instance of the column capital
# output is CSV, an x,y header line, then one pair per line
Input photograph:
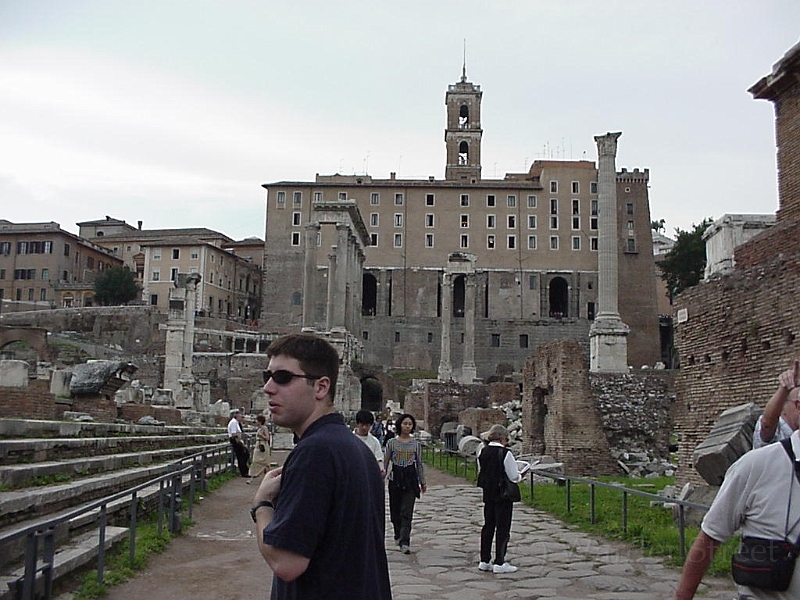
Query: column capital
x,y
607,144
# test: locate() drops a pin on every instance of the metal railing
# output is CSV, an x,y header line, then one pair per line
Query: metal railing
x,y
441,458
40,544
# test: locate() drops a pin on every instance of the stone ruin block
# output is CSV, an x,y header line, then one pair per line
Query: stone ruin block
x,y
59,383
13,373
730,437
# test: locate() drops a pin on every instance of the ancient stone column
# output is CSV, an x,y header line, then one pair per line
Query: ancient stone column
x,y
468,369
329,316
342,272
309,273
445,366
608,334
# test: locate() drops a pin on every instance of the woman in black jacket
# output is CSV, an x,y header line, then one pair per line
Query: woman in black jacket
x,y
496,463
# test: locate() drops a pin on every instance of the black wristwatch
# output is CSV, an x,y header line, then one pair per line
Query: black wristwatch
x,y
261,504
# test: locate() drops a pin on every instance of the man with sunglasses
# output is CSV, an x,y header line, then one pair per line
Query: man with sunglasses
x,y
320,518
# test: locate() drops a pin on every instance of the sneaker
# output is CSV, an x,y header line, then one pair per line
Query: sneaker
x,y
484,566
504,568
406,550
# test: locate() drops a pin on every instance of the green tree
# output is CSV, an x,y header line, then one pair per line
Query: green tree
x,y
115,286
683,266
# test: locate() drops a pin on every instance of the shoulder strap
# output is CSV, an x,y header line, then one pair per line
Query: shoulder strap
x,y
787,445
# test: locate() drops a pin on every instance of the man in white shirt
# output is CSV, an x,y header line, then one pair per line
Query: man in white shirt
x,y
756,498
364,421
237,442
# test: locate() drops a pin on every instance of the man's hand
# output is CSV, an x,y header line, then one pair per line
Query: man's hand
x,y
270,486
790,379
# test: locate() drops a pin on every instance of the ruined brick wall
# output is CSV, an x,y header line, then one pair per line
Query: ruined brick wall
x,y
32,402
740,333
780,238
501,392
480,420
133,328
101,409
559,409
134,412
437,402
787,136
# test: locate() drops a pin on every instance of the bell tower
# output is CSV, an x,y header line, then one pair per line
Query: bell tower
x,y
463,134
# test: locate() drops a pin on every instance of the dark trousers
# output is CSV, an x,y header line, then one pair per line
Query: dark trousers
x,y
497,526
242,455
401,511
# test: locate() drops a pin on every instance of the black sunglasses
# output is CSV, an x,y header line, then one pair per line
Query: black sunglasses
x,y
282,376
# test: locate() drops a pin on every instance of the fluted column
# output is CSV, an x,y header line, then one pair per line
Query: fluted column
x,y
309,273
342,271
329,316
608,334
468,369
445,366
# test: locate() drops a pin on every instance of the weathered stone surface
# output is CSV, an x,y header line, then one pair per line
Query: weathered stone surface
x,y
13,373
730,437
92,377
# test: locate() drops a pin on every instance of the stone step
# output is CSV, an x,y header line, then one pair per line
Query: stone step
x,y
29,450
78,553
16,428
28,503
17,476
117,511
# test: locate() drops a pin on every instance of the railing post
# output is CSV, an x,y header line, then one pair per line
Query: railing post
x,y
625,512
101,546
682,529
569,495
160,506
29,577
48,558
134,510
592,518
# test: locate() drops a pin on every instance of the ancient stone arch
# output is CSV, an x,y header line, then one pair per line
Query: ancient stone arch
x,y
35,336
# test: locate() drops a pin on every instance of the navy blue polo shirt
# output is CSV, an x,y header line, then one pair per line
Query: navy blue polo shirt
x,y
330,509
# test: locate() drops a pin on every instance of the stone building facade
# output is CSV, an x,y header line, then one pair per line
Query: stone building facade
x,y
230,284
736,333
532,239
43,266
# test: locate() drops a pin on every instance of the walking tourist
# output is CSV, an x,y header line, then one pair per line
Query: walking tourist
x,y
364,421
236,436
496,464
261,453
406,478
320,519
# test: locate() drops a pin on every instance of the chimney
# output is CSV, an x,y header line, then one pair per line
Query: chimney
x,y
140,225
392,175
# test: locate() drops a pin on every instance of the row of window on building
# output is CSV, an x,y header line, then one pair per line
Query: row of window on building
x,y
32,247
430,198
30,274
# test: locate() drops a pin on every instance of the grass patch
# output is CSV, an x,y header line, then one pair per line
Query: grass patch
x,y
149,542
651,529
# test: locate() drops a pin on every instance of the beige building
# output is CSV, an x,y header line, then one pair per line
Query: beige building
x,y
42,266
230,285
509,262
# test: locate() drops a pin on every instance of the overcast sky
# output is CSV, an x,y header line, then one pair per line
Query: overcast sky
x,y
174,113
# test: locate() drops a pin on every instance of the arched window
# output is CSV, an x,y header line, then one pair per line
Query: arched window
x,y
559,297
369,295
297,299
463,116
463,153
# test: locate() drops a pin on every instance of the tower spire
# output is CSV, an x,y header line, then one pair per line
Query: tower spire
x,y
464,67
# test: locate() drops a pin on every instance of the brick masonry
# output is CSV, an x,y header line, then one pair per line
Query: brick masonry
x,y
559,415
740,334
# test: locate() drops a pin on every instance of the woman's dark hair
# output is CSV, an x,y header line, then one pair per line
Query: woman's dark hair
x,y
261,419
403,417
